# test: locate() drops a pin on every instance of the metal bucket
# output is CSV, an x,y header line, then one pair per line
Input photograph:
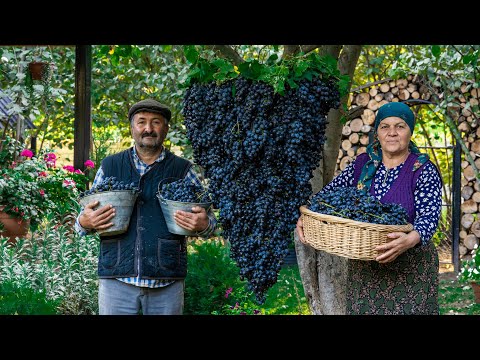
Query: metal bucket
x,y
169,207
122,200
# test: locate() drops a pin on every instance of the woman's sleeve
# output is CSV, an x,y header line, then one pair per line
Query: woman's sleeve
x,y
344,179
428,202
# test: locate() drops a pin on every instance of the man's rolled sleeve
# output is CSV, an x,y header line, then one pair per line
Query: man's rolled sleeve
x,y
80,229
212,222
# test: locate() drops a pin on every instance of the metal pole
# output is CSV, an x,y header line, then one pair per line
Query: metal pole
x,y
456,182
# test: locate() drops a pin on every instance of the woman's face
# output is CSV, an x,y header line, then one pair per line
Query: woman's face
x,y
394,135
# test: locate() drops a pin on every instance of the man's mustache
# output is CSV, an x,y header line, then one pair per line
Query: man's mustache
x,y
149,134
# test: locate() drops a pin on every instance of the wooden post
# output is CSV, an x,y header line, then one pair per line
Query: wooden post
x,y
83,121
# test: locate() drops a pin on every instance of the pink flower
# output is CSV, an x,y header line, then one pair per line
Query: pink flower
x,y
78,171
89,164
50,159
69,168
27,153
42,192
42,174
68,183
228,292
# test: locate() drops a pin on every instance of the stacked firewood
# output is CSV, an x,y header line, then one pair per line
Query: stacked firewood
x,y
470,208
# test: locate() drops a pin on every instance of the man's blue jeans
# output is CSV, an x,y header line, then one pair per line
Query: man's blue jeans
x,y
119,298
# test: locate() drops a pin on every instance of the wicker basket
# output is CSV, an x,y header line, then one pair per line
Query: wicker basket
x,y
344,237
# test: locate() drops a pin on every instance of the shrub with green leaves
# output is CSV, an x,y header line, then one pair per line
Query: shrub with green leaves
x,y
23,300
211,273
55,261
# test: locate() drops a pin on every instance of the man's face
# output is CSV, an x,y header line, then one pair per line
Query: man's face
x,y
149,130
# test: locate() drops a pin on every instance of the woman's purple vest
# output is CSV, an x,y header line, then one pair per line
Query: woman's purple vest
x,y
401,191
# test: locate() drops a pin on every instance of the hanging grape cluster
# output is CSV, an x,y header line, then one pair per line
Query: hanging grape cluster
x,y
110,183
258,150
185,191
354,204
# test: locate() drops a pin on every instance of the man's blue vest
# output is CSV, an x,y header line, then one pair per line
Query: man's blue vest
x,y
147,248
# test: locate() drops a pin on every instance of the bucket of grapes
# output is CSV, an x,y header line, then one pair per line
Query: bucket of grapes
x,y
121,196
349,222
181,195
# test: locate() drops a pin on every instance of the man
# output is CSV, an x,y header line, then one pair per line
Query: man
x,y
143,270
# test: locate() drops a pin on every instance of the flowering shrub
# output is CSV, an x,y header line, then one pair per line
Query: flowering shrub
x,y
240,303
32,187
470,271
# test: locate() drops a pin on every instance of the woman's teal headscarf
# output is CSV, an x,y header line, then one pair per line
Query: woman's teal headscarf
x,y
374,150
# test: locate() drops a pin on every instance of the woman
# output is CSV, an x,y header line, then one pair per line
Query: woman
x,y
403,279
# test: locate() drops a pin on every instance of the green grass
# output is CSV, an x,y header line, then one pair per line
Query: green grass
x,y
287,296
456,298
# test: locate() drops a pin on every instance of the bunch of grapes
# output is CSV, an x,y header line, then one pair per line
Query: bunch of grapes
x,y
258,149
185,191
354,204
110,183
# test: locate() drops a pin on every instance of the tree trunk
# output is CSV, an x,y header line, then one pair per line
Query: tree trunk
x,y
324,276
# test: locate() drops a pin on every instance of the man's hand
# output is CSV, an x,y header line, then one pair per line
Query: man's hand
x,y
197,220
98,219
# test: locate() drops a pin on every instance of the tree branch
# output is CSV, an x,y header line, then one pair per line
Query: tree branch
x,y
289,51
226,51
371,84
307,48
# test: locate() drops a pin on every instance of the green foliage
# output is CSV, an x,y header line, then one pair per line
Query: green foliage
x,y
37,100
106,141
287,296
455,298
211,273
374,63
56,261
451,71
121,76
470,271
177,139
206,67
213,286
23,300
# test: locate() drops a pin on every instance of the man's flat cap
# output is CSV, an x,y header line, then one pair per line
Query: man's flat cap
x,y
150,105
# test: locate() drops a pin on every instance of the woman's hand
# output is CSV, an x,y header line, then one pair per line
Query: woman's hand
x,y
401,242
300,230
